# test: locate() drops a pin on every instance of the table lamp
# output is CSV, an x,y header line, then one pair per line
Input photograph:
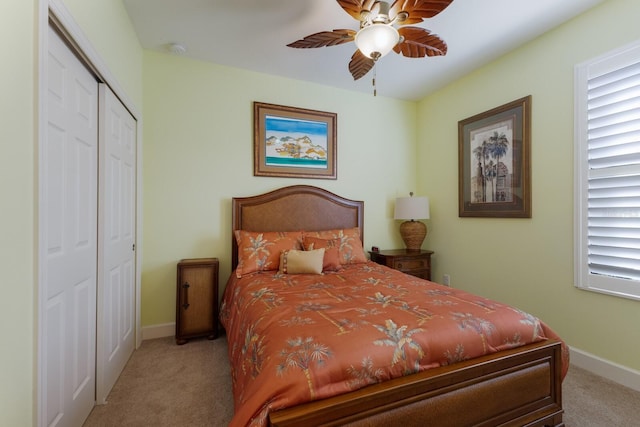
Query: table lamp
x,y
410,209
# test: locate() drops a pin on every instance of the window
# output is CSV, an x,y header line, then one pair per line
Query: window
x,y
607,173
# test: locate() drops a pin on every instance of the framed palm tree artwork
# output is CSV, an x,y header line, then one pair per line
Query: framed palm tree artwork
x,y
494,162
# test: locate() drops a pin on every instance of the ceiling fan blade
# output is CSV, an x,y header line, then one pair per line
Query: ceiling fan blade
x,y
324,38
417,10
418,42
360,65
356,7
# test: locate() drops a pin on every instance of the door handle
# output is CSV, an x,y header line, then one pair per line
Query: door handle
x,y
185,297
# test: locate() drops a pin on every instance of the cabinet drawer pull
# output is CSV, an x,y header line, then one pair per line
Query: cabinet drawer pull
x,y
185,298
410,264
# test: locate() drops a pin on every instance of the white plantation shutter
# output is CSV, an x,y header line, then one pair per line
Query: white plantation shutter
x,y
607,201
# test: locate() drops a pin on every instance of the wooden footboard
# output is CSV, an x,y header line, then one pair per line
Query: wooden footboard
x,y
519,387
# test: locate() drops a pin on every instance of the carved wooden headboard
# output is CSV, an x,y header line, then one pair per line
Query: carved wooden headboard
x,y
297,207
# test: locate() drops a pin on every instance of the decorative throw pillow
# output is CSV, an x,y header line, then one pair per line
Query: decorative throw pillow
x,y
260,251
331,261
350,249
301,262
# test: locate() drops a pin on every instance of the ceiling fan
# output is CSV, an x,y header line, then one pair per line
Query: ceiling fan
x,y
378,34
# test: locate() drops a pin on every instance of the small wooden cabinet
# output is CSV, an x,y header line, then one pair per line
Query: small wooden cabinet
x,y
416,263
197,299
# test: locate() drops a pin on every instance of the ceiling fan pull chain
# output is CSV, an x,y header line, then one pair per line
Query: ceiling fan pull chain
x,y
373,82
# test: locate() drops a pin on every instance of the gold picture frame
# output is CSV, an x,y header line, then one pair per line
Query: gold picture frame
x,y
494,162
293,142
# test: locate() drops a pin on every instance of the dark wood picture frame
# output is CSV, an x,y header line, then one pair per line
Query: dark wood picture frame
x,y
494,162
294,142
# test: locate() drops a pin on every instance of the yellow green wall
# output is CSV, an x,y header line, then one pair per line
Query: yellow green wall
x,y
17,231
529,262
198,154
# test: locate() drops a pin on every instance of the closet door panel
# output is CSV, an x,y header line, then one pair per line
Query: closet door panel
x,y
116,286
69,239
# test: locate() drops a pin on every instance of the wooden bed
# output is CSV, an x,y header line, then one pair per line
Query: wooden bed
x,y
518,387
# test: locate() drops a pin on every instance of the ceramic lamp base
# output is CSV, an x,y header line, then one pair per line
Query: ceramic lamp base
x,y
413,234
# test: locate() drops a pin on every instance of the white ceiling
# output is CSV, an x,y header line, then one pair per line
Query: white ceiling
x,y
253,35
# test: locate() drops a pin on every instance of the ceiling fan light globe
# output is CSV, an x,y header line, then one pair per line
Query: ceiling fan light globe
x,y
376,40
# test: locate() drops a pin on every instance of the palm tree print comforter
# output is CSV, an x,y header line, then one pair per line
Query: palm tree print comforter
x,y
298,338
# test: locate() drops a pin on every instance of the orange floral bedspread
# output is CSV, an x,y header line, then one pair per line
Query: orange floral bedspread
x,y
297,338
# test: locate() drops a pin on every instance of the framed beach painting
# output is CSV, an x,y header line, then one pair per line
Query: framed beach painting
x,y
293,142
494,164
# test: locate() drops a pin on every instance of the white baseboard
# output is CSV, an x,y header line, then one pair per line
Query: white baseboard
x,y
605,368
158,331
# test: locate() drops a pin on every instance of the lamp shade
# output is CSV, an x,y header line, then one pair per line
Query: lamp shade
x,y
411,208
376,40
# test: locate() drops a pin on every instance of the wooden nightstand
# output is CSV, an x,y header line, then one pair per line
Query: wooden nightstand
x,y
416,263
197,299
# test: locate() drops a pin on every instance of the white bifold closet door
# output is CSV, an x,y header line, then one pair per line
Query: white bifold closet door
x,y
87,240
69,191
116,241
